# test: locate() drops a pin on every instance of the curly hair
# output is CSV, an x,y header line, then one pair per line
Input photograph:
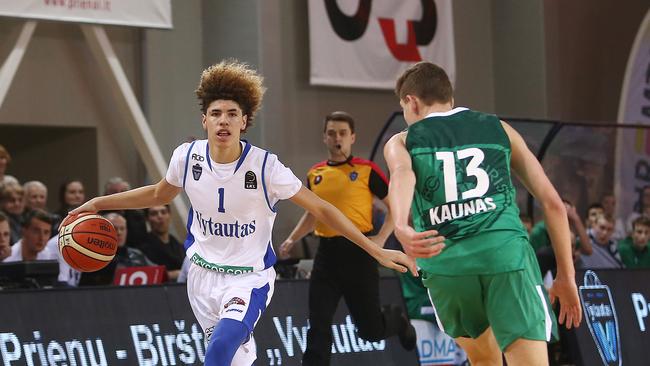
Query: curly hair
x,y
232,80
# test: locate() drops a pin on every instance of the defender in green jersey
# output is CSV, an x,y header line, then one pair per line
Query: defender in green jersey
x,y
451,171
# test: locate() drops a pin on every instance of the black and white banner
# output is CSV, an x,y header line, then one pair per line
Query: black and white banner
x,y
140,13
633,145
368,43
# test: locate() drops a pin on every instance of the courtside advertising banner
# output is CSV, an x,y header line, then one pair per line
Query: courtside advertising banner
x,y
154,326
134,13
368,43
615,330
633,145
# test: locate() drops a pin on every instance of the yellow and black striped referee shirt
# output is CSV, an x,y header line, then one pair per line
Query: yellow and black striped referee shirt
x,y
349,186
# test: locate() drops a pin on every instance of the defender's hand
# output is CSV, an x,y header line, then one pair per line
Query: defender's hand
x,y
397,260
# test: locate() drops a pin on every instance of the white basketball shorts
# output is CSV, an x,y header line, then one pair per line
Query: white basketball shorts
x,y
244,297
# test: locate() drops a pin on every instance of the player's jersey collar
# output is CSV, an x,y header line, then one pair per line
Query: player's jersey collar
x,y
448,113
245,149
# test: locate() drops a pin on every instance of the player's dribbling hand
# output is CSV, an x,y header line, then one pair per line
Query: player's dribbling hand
x,y
285,248
565,290
425,244
398,261
89,206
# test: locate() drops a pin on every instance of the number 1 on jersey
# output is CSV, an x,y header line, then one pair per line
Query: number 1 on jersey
x,y
221,194
472,170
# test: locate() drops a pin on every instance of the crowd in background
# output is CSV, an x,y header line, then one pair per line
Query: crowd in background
x,y
600,239
29,229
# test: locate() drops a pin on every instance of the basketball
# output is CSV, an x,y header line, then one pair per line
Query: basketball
x,y
87,242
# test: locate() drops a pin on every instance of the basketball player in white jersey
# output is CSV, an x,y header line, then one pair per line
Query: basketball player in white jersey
x,y
233,188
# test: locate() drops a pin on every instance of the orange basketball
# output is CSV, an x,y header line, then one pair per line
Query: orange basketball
x,y
87,242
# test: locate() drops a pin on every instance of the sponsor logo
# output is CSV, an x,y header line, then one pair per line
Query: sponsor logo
x,y
420,32
100,243
208,333
105,228
354,176
235,301
318,179
198,157
250,180
196,171
640,309
236,310
600,315
199,261
230,230
451,211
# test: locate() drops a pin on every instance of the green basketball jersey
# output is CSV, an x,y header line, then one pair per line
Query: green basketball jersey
x,y
461,161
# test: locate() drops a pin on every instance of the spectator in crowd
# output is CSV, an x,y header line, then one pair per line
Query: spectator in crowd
x,y
135,219
608,201
594,211
116,185
5,236
71,195
605,251
342,269
12,203
35,195
5,160
539,237
634,250
160,246
642,208
125,256
33,244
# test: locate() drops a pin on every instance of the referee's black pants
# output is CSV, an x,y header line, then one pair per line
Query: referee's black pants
x,y
342,269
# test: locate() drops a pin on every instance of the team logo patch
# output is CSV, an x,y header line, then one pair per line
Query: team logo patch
x,y
354,176
600,316
318,179
196,171
235,301
250,180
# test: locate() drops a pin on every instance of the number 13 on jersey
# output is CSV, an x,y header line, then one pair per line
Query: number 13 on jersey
x,y
473,169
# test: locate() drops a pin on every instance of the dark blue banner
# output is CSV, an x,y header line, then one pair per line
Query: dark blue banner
x,y
615,318
155,326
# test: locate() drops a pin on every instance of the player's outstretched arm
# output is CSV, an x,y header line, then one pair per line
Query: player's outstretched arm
x,y
330,215
400,196
305,225
157,194
530,172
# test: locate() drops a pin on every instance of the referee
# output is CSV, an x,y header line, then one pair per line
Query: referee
x,y
340,267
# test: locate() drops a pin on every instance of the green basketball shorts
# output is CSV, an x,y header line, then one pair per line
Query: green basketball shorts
x,y
515,304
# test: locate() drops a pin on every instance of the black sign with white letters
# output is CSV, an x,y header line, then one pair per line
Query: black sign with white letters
x,y
154,325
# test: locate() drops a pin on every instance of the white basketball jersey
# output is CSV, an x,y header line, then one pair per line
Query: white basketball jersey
x,y
231,218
